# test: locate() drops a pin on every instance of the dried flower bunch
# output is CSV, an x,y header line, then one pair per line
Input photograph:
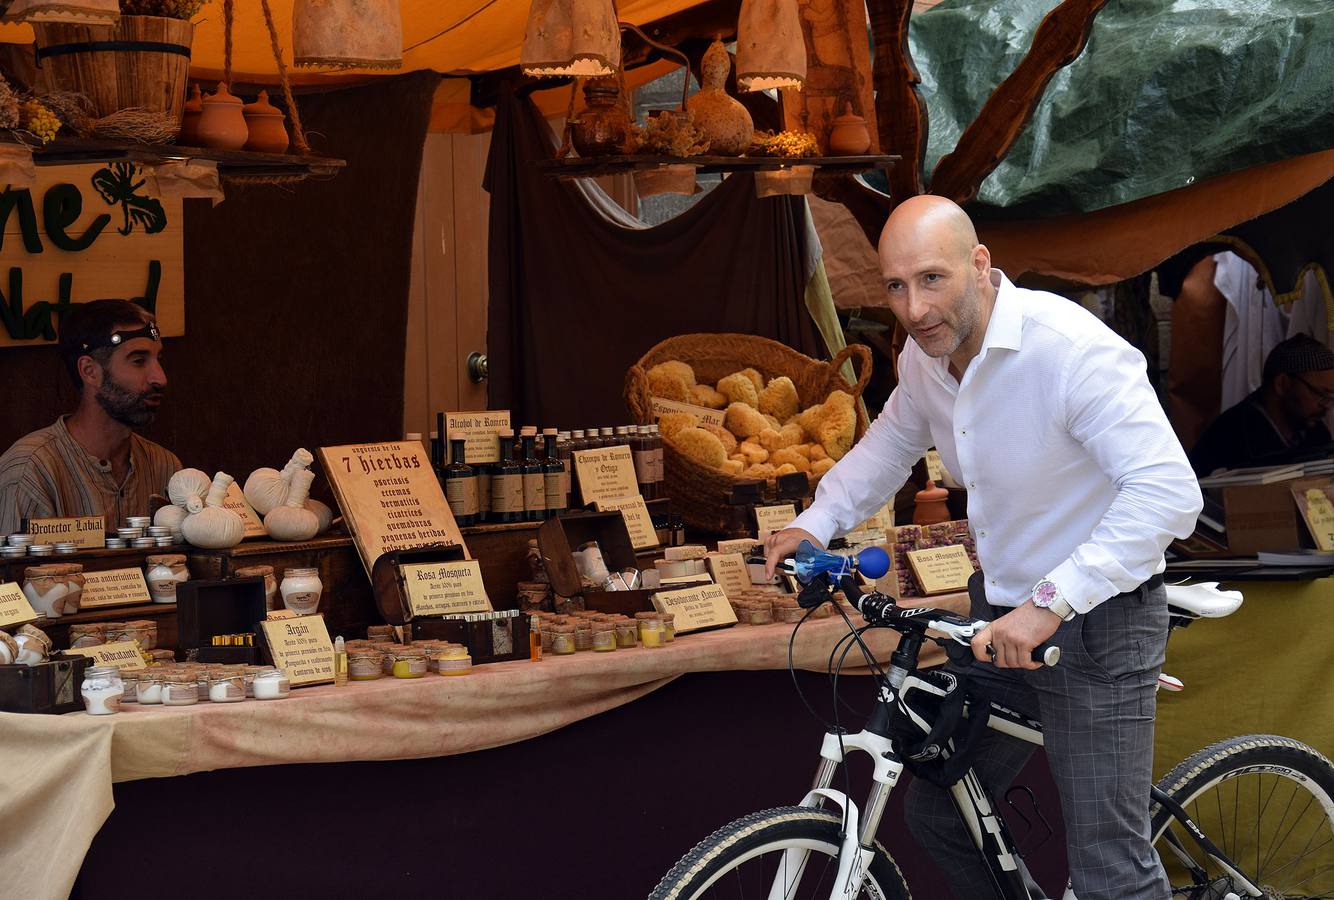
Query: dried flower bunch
x,y
786,144
671,133
9,106
167,9
35,117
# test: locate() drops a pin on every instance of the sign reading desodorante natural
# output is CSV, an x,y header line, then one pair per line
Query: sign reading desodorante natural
x,y
637,520
114,587
703,413
696,608
445,588
389,497
769,519
82,233
480,431
14,607
122,654
84,532
941,569
606,474
729,570
237,503
301,648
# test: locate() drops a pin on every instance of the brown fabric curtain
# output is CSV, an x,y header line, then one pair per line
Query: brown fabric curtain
x,y
575,300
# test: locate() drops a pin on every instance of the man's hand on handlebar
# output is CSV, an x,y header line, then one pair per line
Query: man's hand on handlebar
x,y
782,544
1014,635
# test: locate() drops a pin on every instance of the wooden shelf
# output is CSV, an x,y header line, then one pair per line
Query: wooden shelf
x,y
593,167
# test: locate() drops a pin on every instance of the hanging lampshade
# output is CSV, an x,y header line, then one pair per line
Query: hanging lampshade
x,y
571,37
346,34
770,48
73,12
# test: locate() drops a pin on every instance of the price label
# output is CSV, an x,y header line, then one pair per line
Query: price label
x,y
606,474
301,648
114,587
237,503
730,572
702,413
480,432
637,520
122,654
769,519
83,532
940,570
14,607
445,588
696,608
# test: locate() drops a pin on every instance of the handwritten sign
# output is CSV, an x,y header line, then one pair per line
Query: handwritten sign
x,y
301,648
480,432
940,570
14,607
82,531
1317,506
114,587
730,572
637,519
237,503
606,473
696,608
122,654
935,469
446,588
769,519
68,243
390,498
702,413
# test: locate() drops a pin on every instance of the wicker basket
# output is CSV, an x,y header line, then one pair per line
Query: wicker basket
x,y
698,493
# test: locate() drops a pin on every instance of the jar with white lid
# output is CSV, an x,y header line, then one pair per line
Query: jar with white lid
x,y
102,690
45,590
163,573
301,589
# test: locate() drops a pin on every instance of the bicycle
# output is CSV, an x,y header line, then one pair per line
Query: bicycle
x,y
1199,812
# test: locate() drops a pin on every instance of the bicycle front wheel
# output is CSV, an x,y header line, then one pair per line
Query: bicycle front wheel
x,y
746,858
1267,802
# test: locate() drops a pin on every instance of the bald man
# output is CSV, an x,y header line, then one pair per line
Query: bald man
x,y
1076,485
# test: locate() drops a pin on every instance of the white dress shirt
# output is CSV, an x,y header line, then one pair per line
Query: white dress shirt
x,y
1072,470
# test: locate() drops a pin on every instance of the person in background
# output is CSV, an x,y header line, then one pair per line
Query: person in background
x,y
91,462
1282,421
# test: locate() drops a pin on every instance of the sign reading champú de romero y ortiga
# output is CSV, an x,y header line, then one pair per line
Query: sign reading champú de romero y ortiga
x,y
82,233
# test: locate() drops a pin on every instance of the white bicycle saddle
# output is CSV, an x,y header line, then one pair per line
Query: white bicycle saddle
x,y
1203,601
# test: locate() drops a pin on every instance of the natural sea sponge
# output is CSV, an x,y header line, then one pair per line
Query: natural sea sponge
x,y
838,425
700,446
816,453
677,369
779,399
703,395
728,439
819,467
790,457
809,421
744,420
753,453
667,385
672,422
733,466
786,469
755,378
759,470
737,388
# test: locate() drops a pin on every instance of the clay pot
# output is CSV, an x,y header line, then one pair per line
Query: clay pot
x,y
222,124
724,121
849,135
265,123
603,128
193,109
931,507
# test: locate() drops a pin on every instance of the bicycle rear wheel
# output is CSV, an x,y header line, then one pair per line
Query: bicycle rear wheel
x,y
742,860
1267,802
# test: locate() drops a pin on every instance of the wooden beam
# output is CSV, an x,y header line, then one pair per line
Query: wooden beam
x,y
1058,41
899,107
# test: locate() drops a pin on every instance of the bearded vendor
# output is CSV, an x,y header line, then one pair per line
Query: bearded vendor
x,y
91,462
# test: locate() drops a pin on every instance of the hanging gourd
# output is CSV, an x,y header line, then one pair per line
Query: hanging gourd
x,y
292,521
723,120
267,488
211,525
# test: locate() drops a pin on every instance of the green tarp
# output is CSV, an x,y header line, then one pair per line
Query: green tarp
x,y
1166,92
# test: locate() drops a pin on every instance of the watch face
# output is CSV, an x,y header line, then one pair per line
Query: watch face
x,y
1044,594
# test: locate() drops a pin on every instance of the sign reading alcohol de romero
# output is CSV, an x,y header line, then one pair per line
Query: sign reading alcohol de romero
x,y
389,497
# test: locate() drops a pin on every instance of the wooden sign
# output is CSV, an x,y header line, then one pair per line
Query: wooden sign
x,y
445,588
390,498
940,570
82,531
606,473
89,232
730,572
769,519
935,469
637,520
696,608
301,647
114,587
1317,506
237,503
702,413
741,545
280,613
14,606
122,654
480,431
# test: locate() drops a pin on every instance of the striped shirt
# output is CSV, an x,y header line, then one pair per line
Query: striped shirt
x,y
47,473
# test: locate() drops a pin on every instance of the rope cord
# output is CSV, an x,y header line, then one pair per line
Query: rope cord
x,y
298,133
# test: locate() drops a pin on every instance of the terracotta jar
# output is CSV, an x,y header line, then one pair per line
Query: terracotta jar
x,y
849,135
194,108
931,507
222,124
265,123
603,127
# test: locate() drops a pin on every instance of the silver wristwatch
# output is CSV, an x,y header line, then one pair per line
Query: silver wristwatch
x,y
1046,595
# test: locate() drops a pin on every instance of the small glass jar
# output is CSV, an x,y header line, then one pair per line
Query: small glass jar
x,y
650,630
627,633
583,635
203,677
130,684
227,687
545,635
272,684
409,662
669,627
604,637
90,635
364,665
271,600
163,573
45,590
148,691
562,640
761,614
102,690
453,661
387,651
301,589
141,631
180,689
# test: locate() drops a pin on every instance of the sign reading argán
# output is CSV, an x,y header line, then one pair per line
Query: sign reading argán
x,y
301,648
389,497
